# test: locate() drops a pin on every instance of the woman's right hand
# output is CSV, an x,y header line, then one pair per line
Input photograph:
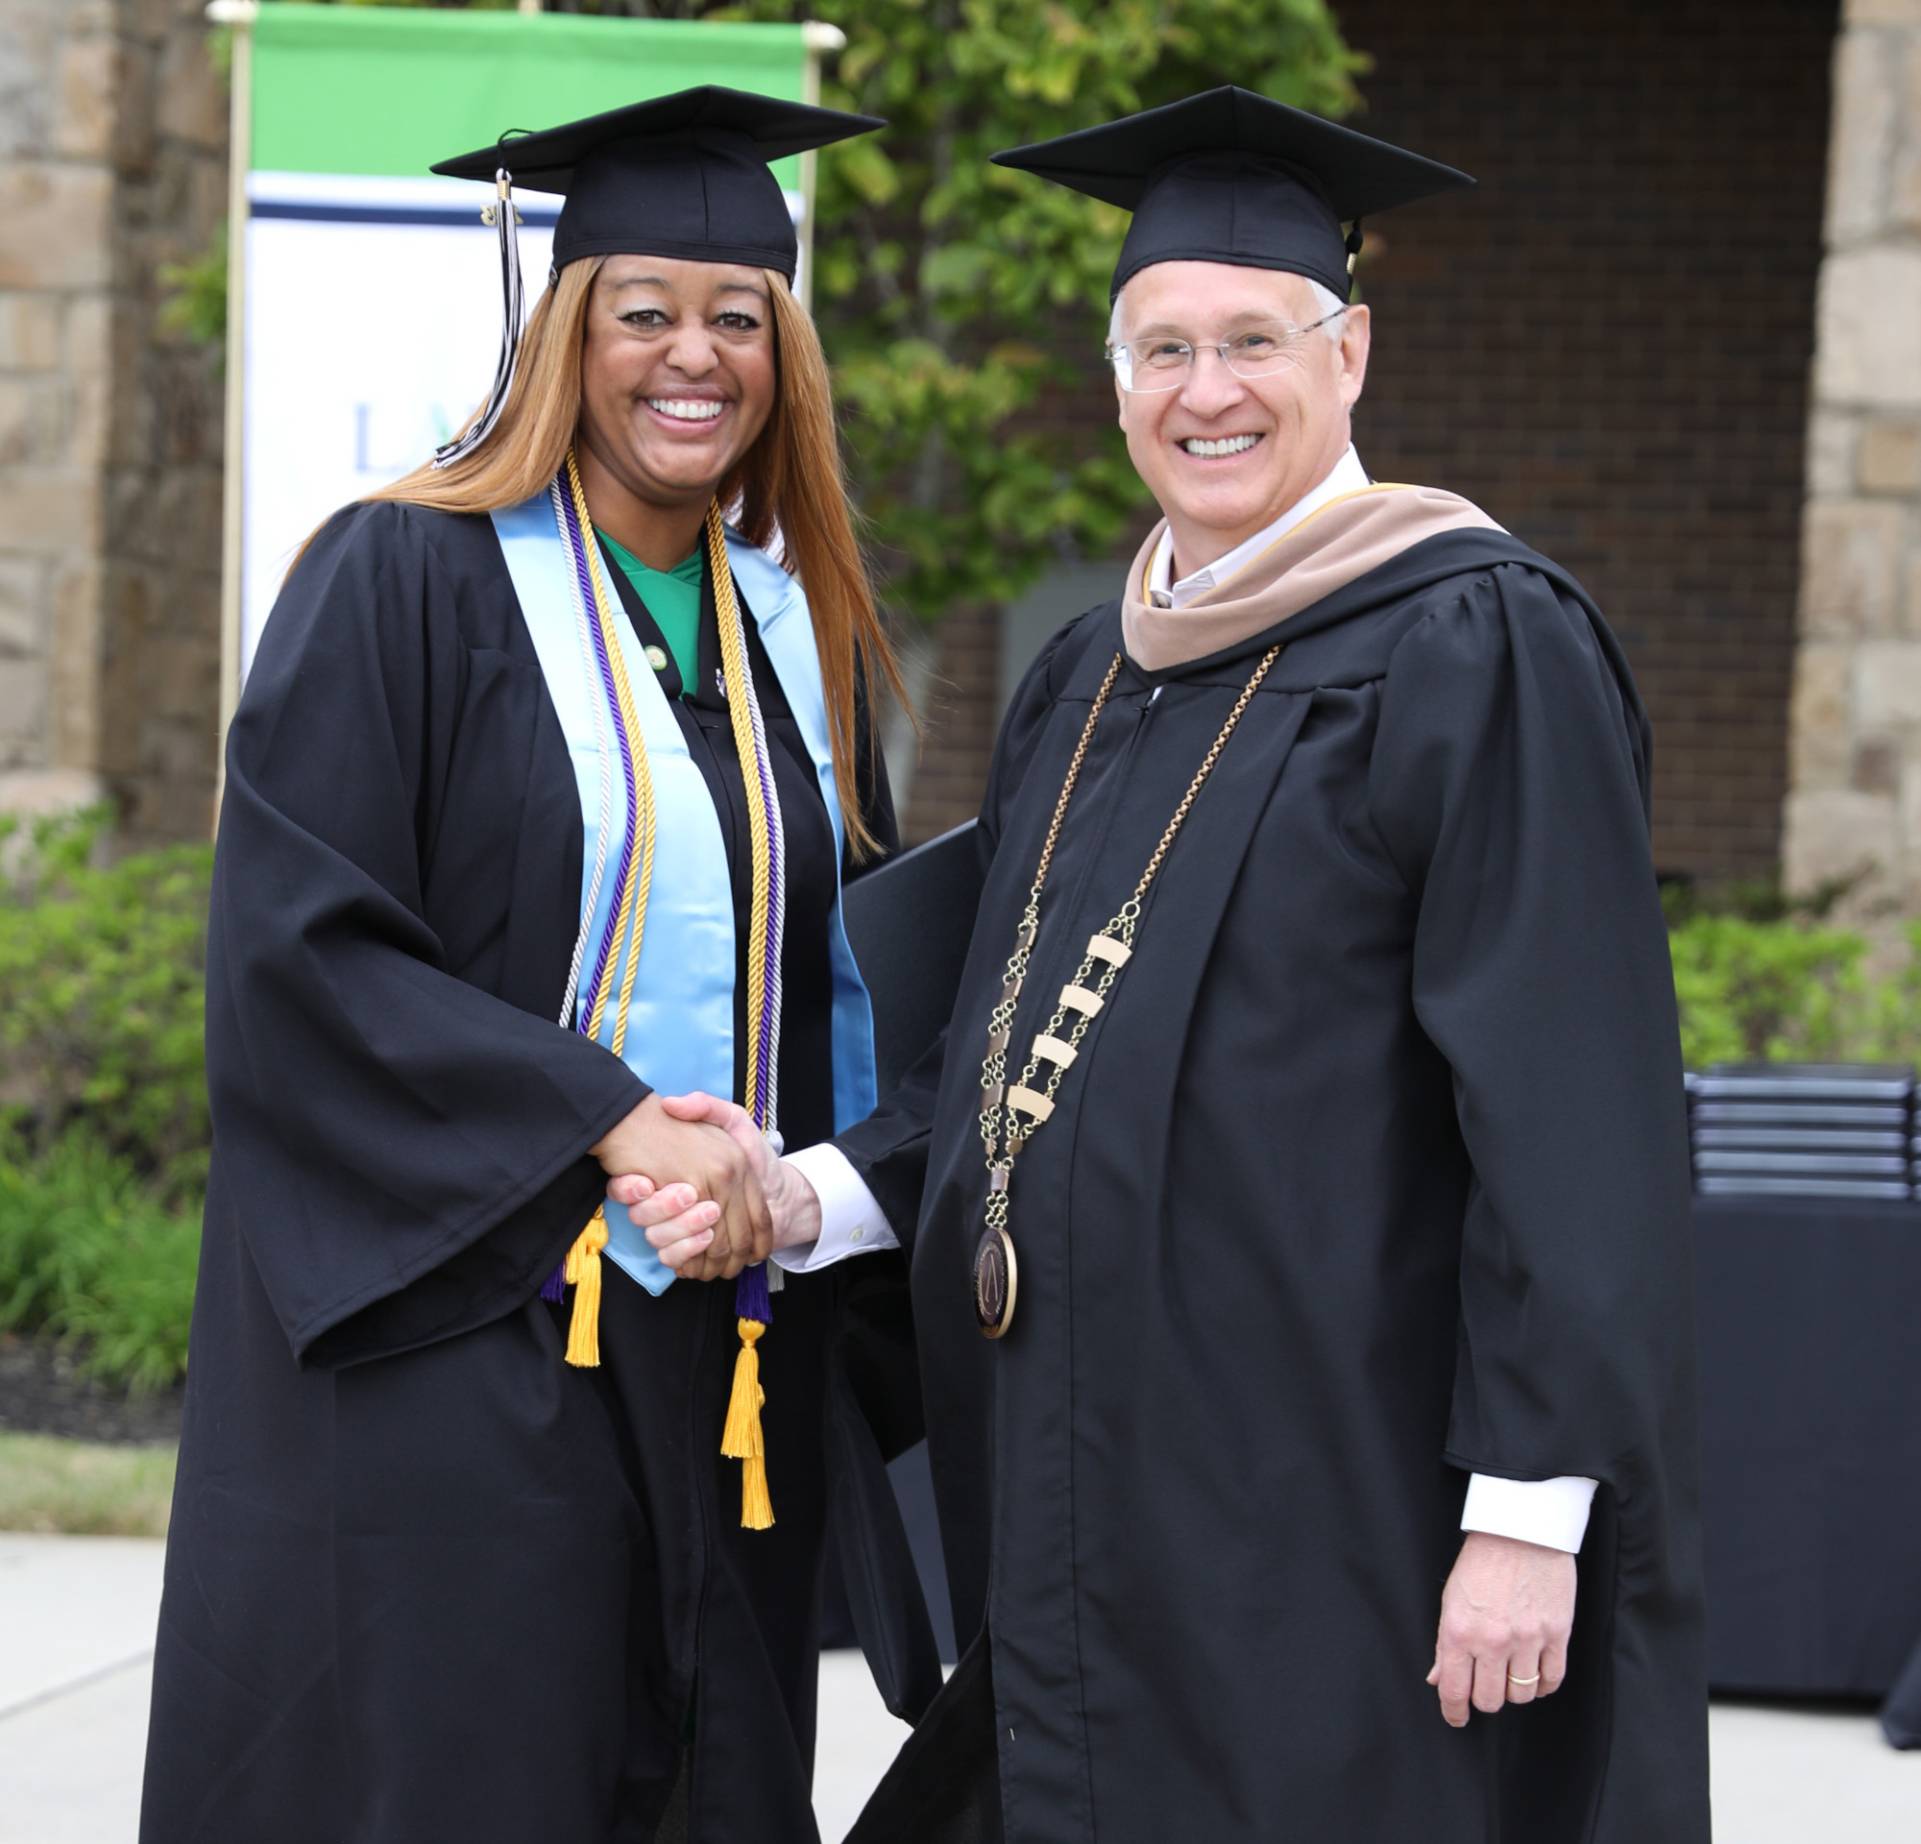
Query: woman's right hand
x,y
715,1171
674,1219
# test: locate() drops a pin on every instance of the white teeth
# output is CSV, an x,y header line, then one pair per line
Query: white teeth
x,y
1230,445
687,409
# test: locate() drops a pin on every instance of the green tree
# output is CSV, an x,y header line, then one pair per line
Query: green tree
x,y
959,301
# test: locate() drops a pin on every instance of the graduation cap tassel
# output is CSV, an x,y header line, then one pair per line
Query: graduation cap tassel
x,y
741,1439
513,314
582,1273
753,1306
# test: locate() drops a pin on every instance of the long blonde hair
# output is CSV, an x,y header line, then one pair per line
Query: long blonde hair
x,y
789,484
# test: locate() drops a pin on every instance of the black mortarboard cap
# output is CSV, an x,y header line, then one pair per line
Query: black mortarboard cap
x,y
683,175
1229,176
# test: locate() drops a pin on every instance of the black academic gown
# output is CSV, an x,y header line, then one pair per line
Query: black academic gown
x,y
424,1581
1373,1173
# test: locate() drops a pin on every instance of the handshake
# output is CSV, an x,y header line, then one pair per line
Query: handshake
x,y
706,1186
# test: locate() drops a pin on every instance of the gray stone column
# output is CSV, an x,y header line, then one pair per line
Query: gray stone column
x,y
59,71
112,165
1854,801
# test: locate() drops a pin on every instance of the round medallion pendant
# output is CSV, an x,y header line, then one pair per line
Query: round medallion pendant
x,y
996,1278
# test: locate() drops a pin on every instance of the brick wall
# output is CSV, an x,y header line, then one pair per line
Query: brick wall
x,y
1608,344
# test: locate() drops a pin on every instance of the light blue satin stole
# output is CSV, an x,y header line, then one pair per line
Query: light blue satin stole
x,y
680,1028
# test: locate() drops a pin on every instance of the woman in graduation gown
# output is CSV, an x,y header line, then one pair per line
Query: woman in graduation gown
x,y
538,801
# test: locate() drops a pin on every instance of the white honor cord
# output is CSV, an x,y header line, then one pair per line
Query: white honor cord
x,y
603,748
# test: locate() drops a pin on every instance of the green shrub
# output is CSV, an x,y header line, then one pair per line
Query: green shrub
x,y
103,999
1775,991
1894,1006
89,1251
104,1132
1766,991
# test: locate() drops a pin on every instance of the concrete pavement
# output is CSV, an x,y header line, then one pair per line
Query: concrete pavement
x,y
76,1657
76,1647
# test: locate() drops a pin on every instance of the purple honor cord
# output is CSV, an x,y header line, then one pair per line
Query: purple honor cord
x,y
554,1288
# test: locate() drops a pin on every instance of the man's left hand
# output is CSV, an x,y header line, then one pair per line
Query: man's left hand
x,y
1506,1614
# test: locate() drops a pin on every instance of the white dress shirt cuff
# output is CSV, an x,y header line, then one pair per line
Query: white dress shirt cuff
x,y
851,1222
1551,1512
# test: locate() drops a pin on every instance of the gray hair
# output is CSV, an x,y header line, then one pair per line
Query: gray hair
x,y
1326,302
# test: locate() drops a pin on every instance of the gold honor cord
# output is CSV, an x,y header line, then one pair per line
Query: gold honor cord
x,y
741,1436
582,1270
733,660
1019,1110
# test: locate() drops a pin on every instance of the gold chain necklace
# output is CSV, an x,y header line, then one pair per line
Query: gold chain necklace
x,y
1011,1114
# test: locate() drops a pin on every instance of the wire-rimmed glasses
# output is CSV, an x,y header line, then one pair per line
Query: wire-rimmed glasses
x,y
1144,366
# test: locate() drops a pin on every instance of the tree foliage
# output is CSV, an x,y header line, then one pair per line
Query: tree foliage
x,y
961,303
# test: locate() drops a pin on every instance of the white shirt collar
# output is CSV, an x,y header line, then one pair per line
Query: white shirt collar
x,y
1346,476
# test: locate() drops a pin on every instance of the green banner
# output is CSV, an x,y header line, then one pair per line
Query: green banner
x,y
390,90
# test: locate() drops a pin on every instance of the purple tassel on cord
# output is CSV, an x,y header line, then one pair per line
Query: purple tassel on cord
x,y
554,1288
751,1299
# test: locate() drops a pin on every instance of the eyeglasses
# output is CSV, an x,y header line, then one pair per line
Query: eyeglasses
x,y
1144,366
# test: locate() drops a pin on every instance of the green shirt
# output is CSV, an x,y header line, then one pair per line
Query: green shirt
x,y
673,599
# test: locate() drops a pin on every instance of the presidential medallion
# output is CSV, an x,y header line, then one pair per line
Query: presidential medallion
x,y
1016,1107
996,1277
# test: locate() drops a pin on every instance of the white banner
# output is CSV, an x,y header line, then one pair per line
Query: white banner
x,y
373,322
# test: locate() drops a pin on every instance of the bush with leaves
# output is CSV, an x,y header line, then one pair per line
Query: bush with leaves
x,y
103,998
104,1132
1770,991
89,1253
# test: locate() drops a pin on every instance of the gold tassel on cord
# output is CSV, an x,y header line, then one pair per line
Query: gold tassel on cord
x,y
582,1274
741,1438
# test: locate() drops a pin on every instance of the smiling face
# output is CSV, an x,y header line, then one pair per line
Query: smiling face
x,y
677,376
1225,455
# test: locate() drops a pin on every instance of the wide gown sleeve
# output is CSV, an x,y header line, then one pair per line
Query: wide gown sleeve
x,y
406,1154
1509,783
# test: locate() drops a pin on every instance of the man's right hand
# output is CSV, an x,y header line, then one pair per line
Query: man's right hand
x,y
705,1159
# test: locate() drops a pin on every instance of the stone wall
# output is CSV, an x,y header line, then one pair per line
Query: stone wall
x,y
112,164
1854,809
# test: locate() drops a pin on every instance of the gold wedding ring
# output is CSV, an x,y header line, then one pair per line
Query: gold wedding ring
x,y
1535,1679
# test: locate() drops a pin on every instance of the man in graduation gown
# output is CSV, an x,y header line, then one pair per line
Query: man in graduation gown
x,y
1330,1156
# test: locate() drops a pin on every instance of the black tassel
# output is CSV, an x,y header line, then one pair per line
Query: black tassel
x,y
502,216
